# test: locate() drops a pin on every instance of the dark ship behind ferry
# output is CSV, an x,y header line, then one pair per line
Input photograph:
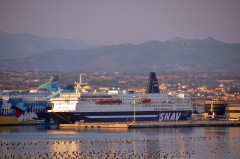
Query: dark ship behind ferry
x,y
121,106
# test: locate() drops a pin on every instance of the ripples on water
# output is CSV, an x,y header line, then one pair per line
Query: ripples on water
x,y
47,142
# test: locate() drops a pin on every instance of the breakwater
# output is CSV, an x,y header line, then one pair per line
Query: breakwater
x,y
203,123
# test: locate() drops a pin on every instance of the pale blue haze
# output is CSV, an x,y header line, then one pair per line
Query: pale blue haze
x,y
104,22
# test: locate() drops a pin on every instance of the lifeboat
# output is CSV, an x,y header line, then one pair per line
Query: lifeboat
x,y
100,101
118,101
109,101
145,100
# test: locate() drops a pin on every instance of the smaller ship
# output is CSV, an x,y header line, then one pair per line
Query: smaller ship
x,y
29,107
18,115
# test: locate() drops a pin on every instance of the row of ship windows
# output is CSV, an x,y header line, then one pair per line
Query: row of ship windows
x,y
105,110
62,107
153,105
126,98
64,103
147,96
183,108
163,108
6,111
131,102
233,111
32,96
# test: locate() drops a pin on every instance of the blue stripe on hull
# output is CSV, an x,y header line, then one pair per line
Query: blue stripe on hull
x,y
72,117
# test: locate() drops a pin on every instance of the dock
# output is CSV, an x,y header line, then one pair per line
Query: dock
x,y
96,125
204,123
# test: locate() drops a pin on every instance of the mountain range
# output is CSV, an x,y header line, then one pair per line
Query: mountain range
x,y
14,46
177,54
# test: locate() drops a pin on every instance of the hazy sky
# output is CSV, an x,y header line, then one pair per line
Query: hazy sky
x,y
122,21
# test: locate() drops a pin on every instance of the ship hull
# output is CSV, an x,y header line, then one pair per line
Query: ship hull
x,y
11,120
73,117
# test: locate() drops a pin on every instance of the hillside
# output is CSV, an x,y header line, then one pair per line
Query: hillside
x,y
13,46
180,55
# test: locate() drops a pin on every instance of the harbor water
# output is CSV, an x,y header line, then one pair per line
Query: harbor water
x,y
54,142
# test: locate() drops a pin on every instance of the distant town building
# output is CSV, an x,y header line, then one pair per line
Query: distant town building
x,y
233,112
214,109
162,87
103,89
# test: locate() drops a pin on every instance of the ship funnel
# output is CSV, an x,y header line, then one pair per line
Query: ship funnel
x,y
54,78
152,86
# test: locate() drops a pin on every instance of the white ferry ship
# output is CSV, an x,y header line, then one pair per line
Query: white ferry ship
x,y
121,106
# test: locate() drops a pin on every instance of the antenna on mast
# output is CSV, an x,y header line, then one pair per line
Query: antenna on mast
x,y
79,84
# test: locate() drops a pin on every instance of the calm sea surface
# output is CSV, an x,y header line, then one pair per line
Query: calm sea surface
x,y
54,142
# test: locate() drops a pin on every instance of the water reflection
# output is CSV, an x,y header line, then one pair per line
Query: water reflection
x,y
41,142
20,129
